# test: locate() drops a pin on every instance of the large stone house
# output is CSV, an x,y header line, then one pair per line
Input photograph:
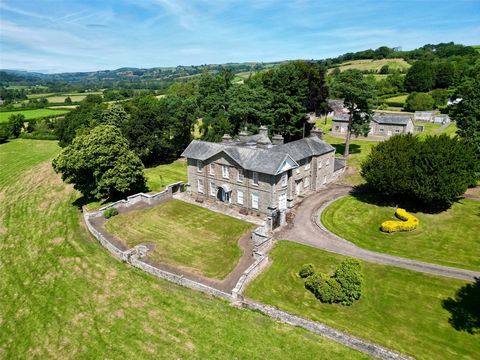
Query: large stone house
x,y
382,124
259,175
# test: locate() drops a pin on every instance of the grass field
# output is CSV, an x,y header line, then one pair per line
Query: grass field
x,y
448,238
161,176
400,309
397,99
184,235
62,296
369,64
32,114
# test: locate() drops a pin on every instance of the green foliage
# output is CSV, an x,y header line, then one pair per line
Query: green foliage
x,y
357,94
114,115
4,133
467,112
107,214
344,287
432,172
306,271
15,125
440,97
68,100
419,101
348,274
100,164
384,69
420,77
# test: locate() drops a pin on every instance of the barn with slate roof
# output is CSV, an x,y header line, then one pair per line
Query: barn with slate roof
x,y
257,174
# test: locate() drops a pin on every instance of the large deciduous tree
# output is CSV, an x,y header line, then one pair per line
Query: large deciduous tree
x,y
357,94
420,77
16,123
101,165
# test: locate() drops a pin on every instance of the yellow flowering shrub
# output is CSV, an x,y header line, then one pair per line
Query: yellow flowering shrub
x,y
408,222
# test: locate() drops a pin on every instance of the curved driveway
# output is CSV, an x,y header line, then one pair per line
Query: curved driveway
x,y
306,228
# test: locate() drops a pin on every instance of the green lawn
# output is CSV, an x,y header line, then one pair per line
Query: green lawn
x,y
31,114
397,99
184,235
370,64
63,296
399,309
161,176
448,238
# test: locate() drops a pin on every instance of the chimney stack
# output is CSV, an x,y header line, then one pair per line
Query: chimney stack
x,y
263,130
243,135
315,132
277,139
226,138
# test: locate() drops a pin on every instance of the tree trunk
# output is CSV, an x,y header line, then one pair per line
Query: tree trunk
x,y
347,139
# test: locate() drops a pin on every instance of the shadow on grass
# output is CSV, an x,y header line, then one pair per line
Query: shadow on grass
x,y
353,148
367,195
464,308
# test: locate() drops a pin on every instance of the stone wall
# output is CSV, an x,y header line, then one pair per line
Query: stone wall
x,y
324,330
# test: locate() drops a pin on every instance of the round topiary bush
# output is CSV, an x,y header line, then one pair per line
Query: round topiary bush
x,y
306,271
107,214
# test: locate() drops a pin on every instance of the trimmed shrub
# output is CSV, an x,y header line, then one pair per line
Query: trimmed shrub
x,y
344,287
349,277
306,271
107,214
408,223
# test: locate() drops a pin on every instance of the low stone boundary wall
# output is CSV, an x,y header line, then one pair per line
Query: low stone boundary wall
x,y
251,273
324,330
150,199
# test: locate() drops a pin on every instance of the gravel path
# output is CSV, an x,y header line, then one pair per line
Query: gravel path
x,y
307,229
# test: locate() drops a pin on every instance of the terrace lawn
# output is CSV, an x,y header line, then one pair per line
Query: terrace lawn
x,y
161,176
32,114
399,309
448,238
184,235
62,296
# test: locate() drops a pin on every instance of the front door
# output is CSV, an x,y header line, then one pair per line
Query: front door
x,y
224,196
220,194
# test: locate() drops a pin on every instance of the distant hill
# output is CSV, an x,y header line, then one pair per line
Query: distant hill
x,y
372,64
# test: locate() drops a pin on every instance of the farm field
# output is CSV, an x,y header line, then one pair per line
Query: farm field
x,y
400,309
63,296
162,175
370,64
449,238
184,235
396,100
32,114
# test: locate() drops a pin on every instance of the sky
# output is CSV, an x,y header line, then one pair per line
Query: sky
x,y
86,35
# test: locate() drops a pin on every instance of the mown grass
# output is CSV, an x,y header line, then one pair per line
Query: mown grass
x,y
63,296
184,235
161,176
399,309
397,99
448,238
32,114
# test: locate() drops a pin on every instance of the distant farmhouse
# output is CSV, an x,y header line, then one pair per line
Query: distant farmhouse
x,y
259,175
381,125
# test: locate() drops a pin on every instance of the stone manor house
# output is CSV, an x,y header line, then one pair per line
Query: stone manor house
x,y
259,175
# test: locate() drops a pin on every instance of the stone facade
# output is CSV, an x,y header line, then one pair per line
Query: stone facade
x,y
220,178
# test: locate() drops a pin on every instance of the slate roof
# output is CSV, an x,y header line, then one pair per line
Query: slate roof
x,y
267,161
341,117
391,119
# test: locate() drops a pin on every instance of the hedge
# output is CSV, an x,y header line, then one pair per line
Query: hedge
x,y
408,223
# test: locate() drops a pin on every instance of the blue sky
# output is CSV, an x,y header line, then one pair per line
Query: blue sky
x,y
83,35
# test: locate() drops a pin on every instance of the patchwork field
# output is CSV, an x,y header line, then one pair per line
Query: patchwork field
x,y
400,309
449,238
32,114
62,295
184,235
370,64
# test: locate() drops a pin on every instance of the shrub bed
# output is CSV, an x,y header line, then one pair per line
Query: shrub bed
x,y
344,287
107,214
408,222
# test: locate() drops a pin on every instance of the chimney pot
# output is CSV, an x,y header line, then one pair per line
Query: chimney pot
x,y
226,138
277,139
315,132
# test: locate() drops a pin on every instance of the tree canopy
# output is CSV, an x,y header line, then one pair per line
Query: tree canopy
x,y
100,164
